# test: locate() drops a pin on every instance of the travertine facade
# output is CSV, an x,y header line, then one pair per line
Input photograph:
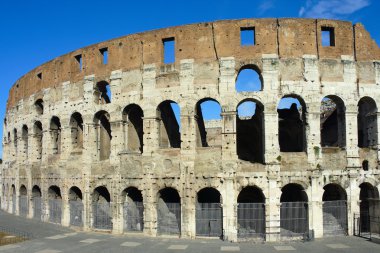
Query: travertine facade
x,y
134,168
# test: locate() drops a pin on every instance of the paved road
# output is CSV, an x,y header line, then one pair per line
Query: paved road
x,y
50,238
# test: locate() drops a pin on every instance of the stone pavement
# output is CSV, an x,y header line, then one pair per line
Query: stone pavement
x,y
50,238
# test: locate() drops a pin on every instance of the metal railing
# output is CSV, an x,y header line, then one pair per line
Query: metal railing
x,y
366,225
13,235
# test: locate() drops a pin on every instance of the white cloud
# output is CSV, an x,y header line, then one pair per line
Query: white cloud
x,y
331,8
265,6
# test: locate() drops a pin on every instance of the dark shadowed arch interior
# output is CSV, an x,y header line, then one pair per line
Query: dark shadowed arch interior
x,y
250,131
76,206
39,106
25,137
55,132
55,204
292,121
104,134
169,212
251,194
334,192
133,209
76,125
103,92
102,214
75,194
333,122
23,201
369,197
38,134
293,193
133,128
367,123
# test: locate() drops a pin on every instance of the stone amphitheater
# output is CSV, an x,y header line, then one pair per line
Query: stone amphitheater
x,y
92,138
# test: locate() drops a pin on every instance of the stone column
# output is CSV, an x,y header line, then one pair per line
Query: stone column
x,y
229,213
272,147
65,221
353,159
315,208
313,135
272,207
150,211
87,207
115,86
116,141
117,216
66,143
227,75
151,135
353,200
229,135
270,73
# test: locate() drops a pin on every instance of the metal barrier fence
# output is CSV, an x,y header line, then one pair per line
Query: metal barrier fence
x,y
37,207
76,213
169,218
209,220
366,225
335,218
14,235
251,220
294,219
55,210
23,205
133,216
102,216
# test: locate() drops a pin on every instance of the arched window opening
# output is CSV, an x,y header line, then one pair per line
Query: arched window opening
x,y
294,220
209,123
250,131
104,134
36,202
15,137
23,201
369,199
38,135
39,105
209,213
133,128
101,209
25,137
76,206
169,212
103,92
55,204
251,213
13,199
133,210
367,123
334,210
249,79
292,121
168,113
55,133
76,125
333,122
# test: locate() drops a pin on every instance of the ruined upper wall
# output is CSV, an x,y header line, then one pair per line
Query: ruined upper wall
x,y
288,38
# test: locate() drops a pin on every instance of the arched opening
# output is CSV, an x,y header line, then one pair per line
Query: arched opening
x,y
55,133
55,204
25,137
250,131
101,208
333,122
334,210
76,125
369,201
365,165
251,213
15,137
292,121
294,217
168,113
133,128
76,206
133,209
103,130
36,202
39,106
103,92
249,79
209,123
13,189
367,123
38,135
209,213
168,212
23,201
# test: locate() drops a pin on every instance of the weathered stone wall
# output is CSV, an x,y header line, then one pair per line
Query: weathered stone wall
x,y
208,57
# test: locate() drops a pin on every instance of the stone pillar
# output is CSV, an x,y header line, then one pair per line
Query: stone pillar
x,y
116,141
115,86
272,147
188,201
65,221
315,205
88,89
353,160
229,135
227,75
186,75
87,207
117,215
272,207
150,211
66,143
30,205
378,136
311,71
229,207
353,200
313,135
270,72
151,135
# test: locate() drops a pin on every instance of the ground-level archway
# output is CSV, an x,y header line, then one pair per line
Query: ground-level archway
x,y
55,204
334,210
76,206
101,208
23,201
168,212
294,218
251,213
209,213
369,195
37,202
133,209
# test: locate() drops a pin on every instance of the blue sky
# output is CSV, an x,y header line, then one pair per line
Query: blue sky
x,y
34,32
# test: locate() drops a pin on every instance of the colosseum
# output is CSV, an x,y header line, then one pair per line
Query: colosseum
x,y
112,137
